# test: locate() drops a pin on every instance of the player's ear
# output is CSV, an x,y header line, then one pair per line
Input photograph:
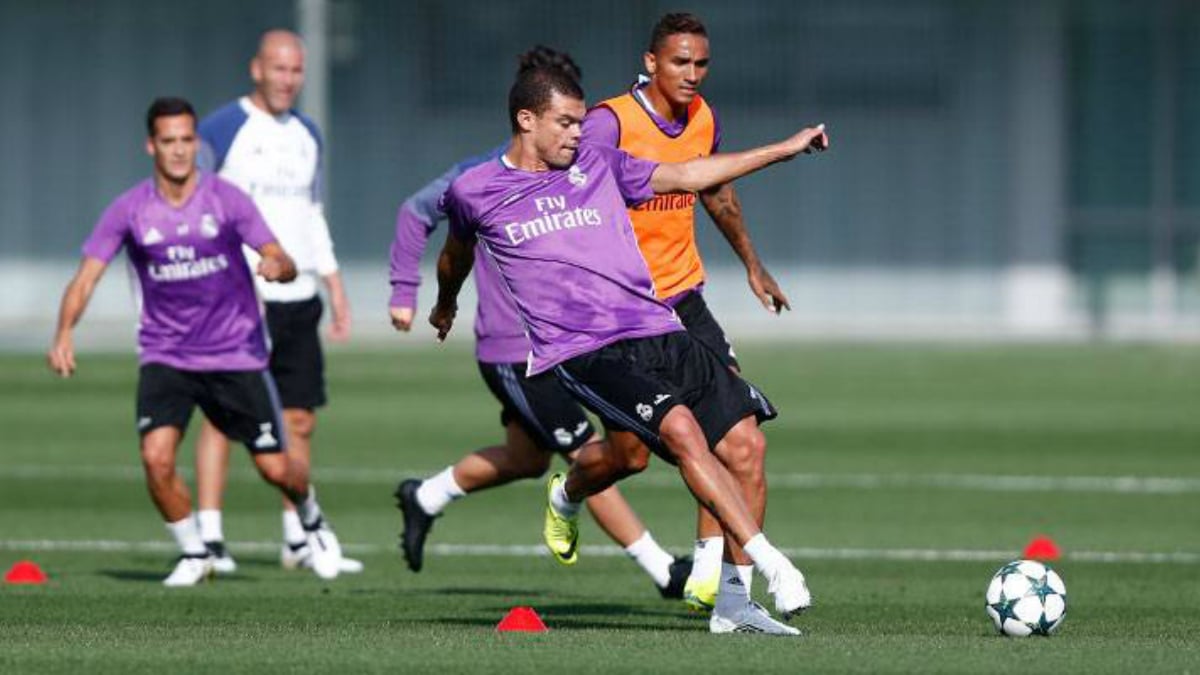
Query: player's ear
x,y
649,62
150,145
525,119
256,70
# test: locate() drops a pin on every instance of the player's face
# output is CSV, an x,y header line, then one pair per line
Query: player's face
x,y
173,147
557,130
278,74
678,67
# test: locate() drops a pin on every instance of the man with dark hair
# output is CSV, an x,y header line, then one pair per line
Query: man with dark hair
x,y
539,417
262,144
200,337
550,215
664,118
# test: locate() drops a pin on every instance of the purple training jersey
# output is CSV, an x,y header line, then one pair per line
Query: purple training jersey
x,y
198,307
563,246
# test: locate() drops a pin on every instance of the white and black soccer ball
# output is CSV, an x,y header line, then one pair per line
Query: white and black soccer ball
x,y
1026,597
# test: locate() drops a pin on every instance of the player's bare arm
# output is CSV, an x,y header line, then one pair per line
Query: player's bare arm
x,y
339,327
276,264
454,264
725,209
78,293
702,173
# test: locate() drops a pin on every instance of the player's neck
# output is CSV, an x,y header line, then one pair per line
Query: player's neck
x,y
662,107
176,193
259,101
521,155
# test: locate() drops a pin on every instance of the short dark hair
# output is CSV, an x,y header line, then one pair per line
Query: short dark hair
x,y
167,106
534,88
675,24
542,56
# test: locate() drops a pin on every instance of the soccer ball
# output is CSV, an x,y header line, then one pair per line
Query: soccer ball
x,y
1026,597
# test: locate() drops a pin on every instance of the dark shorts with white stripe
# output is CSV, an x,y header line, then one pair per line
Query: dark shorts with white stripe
x,y
545,410
243,404
632,384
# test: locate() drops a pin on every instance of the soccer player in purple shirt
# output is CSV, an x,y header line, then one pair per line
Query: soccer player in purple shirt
x,y
540,418
550,216
200,336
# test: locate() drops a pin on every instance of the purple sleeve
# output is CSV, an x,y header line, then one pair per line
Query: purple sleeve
x,y
632,174
247,220
716,146
462,223
110,232
601,127
412,234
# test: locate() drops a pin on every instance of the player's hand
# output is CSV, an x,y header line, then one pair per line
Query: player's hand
x,y
61,356
402,318
339,326
271,268
812,139
442,318
767,291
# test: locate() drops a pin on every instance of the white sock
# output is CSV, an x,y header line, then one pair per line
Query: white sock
x,y
293,531
766,557
210,525
734,591
651,557
187,536
308,510
706,557
558,499
437,491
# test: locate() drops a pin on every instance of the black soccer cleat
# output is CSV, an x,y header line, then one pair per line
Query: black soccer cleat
x,y
417,524
680,569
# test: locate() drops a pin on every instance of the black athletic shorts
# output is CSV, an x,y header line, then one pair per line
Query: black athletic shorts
x,y
296,359
698,321
546,411
632,384
243,404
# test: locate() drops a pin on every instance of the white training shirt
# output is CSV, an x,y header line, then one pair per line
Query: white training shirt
x,y
278,162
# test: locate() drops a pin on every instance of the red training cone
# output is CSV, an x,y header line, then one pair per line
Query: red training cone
x,y
25,572
522,619
1042,548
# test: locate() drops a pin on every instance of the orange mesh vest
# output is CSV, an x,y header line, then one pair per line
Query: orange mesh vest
x,y
665,225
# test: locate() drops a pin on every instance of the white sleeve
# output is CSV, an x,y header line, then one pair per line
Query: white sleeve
x,y
322,243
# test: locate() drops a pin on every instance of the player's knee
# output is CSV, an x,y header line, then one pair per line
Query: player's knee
x,y
534,465
301,423
635,460
273,468
158,463
681,433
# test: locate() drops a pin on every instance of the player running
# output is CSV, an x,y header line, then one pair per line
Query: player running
x,y
550,215
664,118
539,417
200,335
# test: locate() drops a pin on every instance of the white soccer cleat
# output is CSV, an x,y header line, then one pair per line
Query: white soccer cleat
x,y
223,563
790,591
189,571
325,553
300,557
749,618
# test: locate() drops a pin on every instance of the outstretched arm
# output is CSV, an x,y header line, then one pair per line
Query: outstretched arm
x,y
78,293
453,266
702,173
725,209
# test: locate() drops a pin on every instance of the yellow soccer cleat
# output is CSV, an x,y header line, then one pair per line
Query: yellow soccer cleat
x,y
561,533
700,595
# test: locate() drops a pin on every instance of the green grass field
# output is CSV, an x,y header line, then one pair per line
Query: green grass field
x,y
902,477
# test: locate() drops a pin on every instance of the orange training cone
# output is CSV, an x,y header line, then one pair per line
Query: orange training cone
x,y
1042,548
522,619
25,572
